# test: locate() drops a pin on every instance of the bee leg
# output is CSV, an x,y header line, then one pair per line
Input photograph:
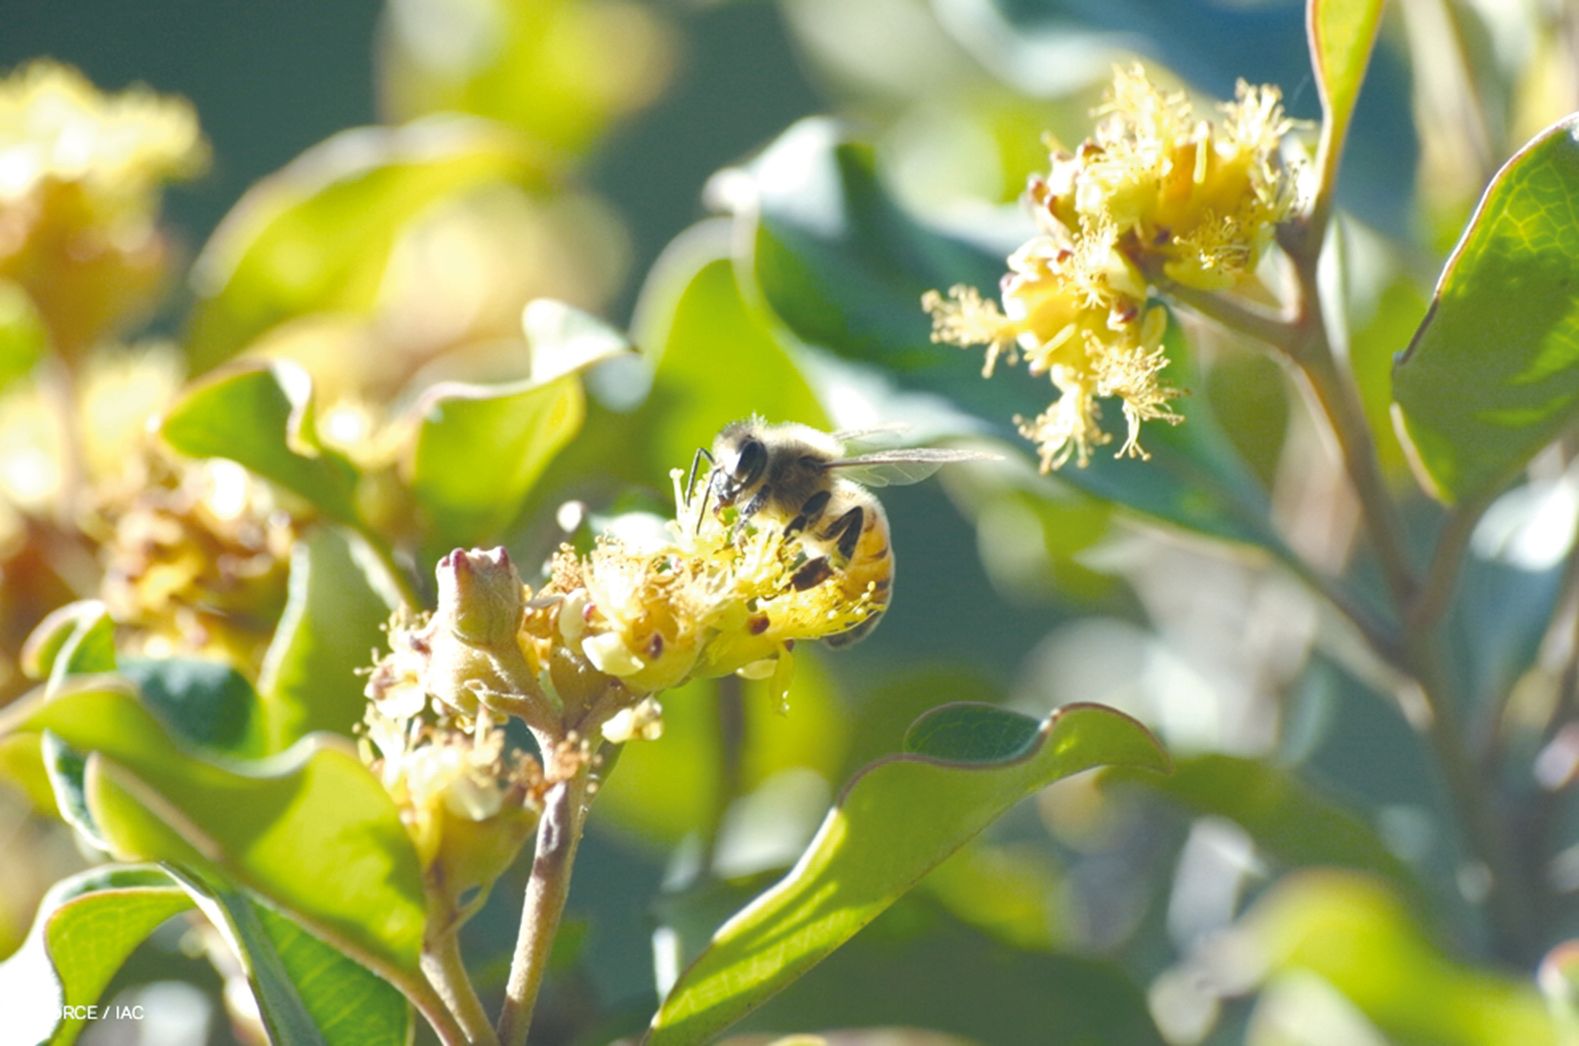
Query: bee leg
x,y
811,573
845,532
690,483
810,513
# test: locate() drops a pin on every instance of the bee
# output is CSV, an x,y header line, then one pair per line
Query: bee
x,y
807,481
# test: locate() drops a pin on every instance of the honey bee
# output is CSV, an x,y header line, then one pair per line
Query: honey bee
x,y
807,480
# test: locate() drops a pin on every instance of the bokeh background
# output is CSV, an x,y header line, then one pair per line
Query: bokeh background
x,y
1093,913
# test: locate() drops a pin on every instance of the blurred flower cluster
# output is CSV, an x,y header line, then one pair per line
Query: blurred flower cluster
x,y
80,174
1154,196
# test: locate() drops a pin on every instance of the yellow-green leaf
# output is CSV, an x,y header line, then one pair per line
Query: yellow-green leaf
x,y
963,767
1492,375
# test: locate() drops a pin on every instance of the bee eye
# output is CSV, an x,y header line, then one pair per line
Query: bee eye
x,y
752,460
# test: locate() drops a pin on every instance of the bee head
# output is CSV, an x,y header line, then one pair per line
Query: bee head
x,y
740,460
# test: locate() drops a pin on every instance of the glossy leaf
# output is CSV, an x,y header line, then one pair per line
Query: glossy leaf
x,y
1349,931
261,417
717,358
208,703
314,237
917,965
333,619
86,927
895,821
76,640
844,266
1342,34
1490,378
1288,819
312,830
307,991
480,448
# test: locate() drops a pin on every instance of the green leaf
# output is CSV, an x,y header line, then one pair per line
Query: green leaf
x,y
312,830
1342,34
717,358
845,267
1490,377
261,417
918,965
480,448
896,820
86,927
76,640
333,620
307,991
315,236
23,339
1287,818
207,702
1351,932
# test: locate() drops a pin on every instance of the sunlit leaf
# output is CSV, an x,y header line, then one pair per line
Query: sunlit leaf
x,y
315,236
896,820
307,991
916,965
261,417
332,622
542,68
1349,931
312,830
716,357
1490,377
1342,33
845,266
480,449
76,640
86,927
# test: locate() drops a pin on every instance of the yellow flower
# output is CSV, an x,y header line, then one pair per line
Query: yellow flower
x,y
1075,311
79,179
702,595
1198,199
1155,192
466,802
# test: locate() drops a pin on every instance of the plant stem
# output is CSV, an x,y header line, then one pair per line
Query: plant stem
x,y
446,971
1418,607
429,1003
1436,590
558,836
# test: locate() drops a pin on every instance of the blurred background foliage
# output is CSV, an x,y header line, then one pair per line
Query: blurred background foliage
x,y
388,186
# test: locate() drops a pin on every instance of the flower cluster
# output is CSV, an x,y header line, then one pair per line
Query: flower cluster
x,y
196,558
1154,196
467,803
79,179
703,595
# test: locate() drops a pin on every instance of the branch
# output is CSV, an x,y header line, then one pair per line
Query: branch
x,y
558,836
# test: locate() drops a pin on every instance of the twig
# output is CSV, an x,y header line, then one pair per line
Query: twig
x,y
446,971
558,836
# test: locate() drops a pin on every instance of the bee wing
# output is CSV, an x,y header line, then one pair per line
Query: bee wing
x,y
899,467
873,436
